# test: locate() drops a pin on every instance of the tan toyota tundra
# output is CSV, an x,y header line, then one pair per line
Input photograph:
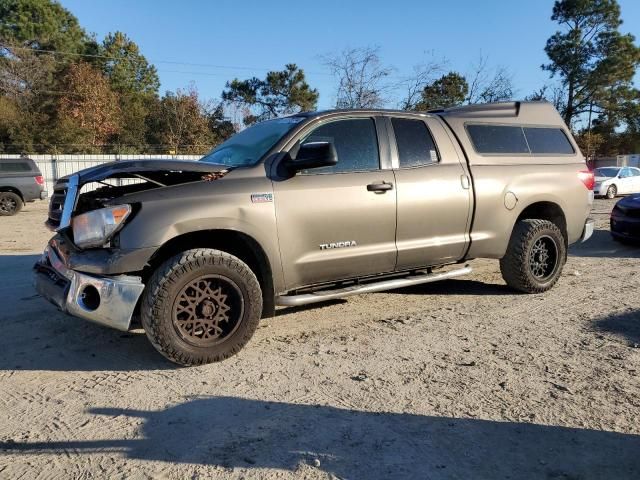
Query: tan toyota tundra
x,y
312,207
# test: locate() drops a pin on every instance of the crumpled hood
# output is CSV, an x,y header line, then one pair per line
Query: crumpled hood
x,y
128,168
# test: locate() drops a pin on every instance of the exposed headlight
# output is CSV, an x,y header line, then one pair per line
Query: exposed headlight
x,y
95,228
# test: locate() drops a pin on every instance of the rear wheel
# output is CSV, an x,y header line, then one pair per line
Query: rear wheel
x,y
612,191
201,306
10,203
535,256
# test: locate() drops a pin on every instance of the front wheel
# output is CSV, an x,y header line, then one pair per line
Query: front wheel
x,y
535,256
201,306
612,191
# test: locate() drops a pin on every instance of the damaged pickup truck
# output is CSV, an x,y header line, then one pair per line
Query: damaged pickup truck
x,y
309,208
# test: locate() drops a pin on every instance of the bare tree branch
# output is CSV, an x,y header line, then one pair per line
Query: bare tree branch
x,y
361,77
413,85
488,84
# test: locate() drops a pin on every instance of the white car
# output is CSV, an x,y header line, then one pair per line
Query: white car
x,y
612,181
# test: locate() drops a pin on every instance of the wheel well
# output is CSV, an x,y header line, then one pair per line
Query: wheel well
x,y
236,243
13,190
546,211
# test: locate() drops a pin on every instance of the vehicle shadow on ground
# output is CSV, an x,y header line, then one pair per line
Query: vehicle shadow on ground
x,y
625,325
601,244
456,287
282,311
234,432
36,336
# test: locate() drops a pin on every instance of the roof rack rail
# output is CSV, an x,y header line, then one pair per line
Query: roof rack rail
x,y
496,108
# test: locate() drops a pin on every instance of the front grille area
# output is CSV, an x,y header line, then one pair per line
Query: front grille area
x,y
625,227
627,212
57,204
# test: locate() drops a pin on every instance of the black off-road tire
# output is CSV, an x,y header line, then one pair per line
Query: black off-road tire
x,y
10,204
519,265
167,286
612,191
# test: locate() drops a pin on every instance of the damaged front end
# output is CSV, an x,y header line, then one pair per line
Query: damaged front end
x,y
116,179
81,269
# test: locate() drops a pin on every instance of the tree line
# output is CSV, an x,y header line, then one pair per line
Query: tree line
x,y
64,91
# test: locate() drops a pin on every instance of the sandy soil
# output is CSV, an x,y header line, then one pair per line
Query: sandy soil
x,y
461,379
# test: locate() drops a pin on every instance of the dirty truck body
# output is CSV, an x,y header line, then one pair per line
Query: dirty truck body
x,y
312,207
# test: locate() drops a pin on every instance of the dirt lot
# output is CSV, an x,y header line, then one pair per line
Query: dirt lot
x,y
461,379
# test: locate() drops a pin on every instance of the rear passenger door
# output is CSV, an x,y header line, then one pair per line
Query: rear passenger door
x,y
434,193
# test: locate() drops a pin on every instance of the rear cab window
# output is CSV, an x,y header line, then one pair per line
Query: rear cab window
x,y
414,143
519,140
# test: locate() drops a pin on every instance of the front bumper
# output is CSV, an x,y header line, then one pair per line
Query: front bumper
x,y
625,227
109,301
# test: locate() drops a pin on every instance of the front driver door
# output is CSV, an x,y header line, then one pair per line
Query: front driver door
x,y
625,181
635,176
338,222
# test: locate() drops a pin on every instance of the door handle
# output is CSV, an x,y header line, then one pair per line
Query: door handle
x,y
380,187
464,181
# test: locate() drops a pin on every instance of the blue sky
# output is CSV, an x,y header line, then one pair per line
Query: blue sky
x,y
250,37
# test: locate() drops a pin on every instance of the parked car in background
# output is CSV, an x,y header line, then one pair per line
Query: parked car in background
x,y
21,181
612,181
625,219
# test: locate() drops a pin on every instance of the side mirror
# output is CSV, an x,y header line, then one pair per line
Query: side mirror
x,y
313,155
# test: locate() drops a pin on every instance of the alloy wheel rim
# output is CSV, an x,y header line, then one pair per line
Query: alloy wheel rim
x,y
543,258
7,204
208,310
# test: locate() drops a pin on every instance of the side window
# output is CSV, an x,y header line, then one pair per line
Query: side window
x,y
635,172
415,144
14,167
498,139
626,172
504,139
355,141
547,141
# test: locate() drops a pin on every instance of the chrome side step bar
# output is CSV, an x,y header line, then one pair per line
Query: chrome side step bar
x,y
324,295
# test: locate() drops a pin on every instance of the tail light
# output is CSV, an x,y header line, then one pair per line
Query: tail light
x,y
587,178
39,179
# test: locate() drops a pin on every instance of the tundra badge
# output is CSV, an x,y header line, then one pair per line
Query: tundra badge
x,y
348,243
261,197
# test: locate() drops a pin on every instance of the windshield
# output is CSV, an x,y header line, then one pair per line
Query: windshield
x,y
606,172
247,147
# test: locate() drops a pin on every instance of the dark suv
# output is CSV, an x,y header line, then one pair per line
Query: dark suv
x,y
20,181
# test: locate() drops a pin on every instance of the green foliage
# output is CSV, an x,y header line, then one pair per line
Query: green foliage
x,y
179,121
447,91
41,24
127,69
63,89
220,127
280,93
136,82
594,61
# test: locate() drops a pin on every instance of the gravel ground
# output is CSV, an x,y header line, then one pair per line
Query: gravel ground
x,y
459,379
